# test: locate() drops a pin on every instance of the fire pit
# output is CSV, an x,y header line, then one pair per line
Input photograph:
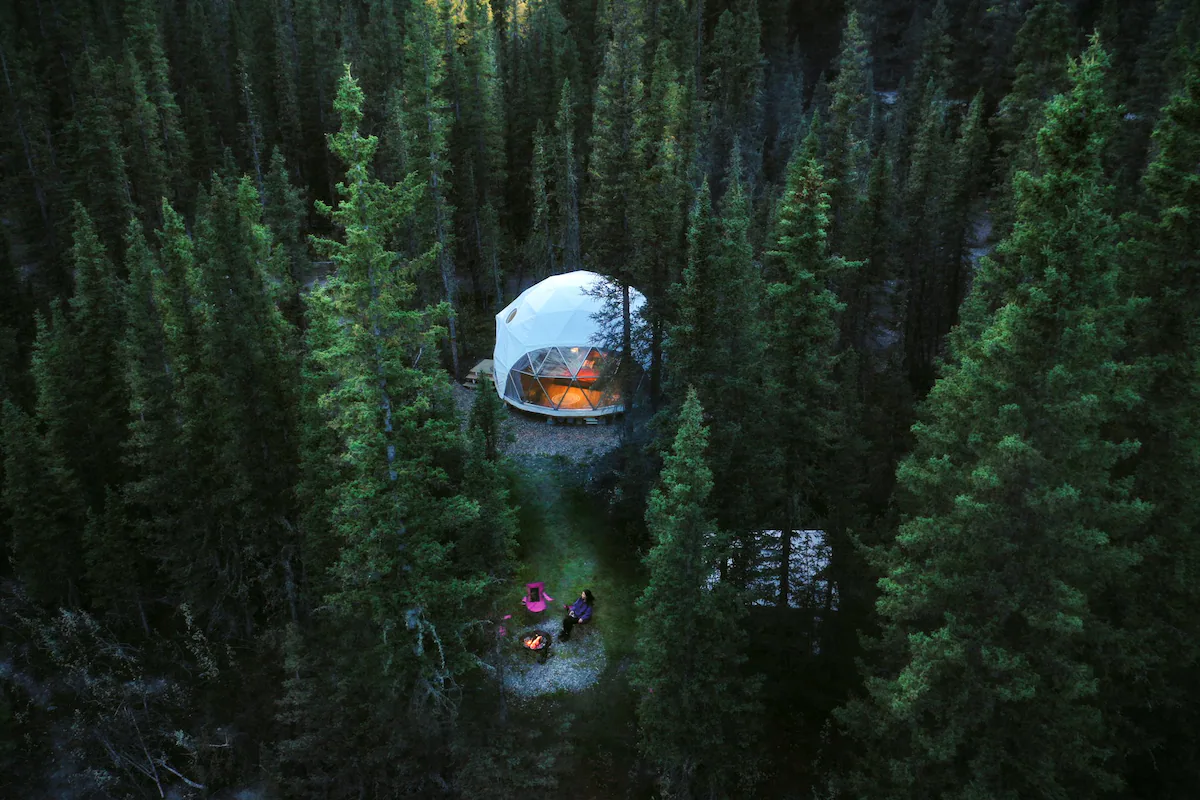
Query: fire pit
x,y
537,643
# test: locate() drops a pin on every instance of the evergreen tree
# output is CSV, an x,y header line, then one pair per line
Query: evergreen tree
x,y
487,419
717,344
846,134
31,145
399,581
930,72
98,164
965,183
144,39
937,50
735,87
148,166
238,409
1040,53
288,110
872,304
803,339
426,126
118,570
697,712
1014,519
613,174
1163,641
476,144
926,317
540,248
156,472
697,321
45,517
566,182
785,98
284,215
95,398
661,215
55,363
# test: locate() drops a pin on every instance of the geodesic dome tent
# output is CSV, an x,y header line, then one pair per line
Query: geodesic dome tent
x,y
550,356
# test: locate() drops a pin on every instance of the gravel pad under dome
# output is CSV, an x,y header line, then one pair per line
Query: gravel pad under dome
x,y
572,666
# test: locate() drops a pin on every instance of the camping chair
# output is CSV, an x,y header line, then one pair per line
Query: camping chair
x,y
535,597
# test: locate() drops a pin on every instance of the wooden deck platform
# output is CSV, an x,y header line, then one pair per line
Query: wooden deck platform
x,y
478,372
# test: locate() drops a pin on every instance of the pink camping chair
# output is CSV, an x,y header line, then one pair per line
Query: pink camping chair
x,y
535,598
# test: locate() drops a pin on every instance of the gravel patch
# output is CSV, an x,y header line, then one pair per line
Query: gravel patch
x,y
528,434
570,666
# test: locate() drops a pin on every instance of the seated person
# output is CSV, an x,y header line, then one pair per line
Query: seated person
x,y
579,611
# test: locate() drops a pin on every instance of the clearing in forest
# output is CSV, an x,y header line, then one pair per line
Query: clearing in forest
x,y
567,543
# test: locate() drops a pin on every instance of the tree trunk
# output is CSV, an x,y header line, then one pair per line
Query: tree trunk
x,y
445,264
785,544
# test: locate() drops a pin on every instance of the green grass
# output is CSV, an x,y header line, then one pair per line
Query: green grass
x,y
566,542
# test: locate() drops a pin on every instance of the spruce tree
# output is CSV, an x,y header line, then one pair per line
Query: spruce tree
x,y
922,203
398,584
117,558
426,125
566,182
693,360
156,474
144,38
98,166
735,88
96,397
717,344
55,364
802,342
476,144
540,249
965,183
872,302
697,713
1042,47
238,408
846,134
660,220
45,517
284,214
1163,639
613,179
985,680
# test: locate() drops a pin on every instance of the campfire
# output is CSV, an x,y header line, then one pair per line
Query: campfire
x,y
536,641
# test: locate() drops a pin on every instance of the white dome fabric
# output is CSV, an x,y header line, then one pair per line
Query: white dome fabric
x,y
559,313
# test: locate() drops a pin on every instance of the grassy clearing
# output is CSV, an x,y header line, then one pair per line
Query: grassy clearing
x,y
566,542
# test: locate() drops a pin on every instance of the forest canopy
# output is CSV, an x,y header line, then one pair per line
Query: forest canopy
x,y
921,315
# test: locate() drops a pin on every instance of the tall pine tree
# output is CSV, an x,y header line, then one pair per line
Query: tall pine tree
x,y
803,341
985,677
697,712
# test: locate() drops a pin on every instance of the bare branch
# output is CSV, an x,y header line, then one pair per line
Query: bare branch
x,y
179,775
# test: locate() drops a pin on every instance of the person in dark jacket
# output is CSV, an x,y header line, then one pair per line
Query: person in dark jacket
x,y
579,611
